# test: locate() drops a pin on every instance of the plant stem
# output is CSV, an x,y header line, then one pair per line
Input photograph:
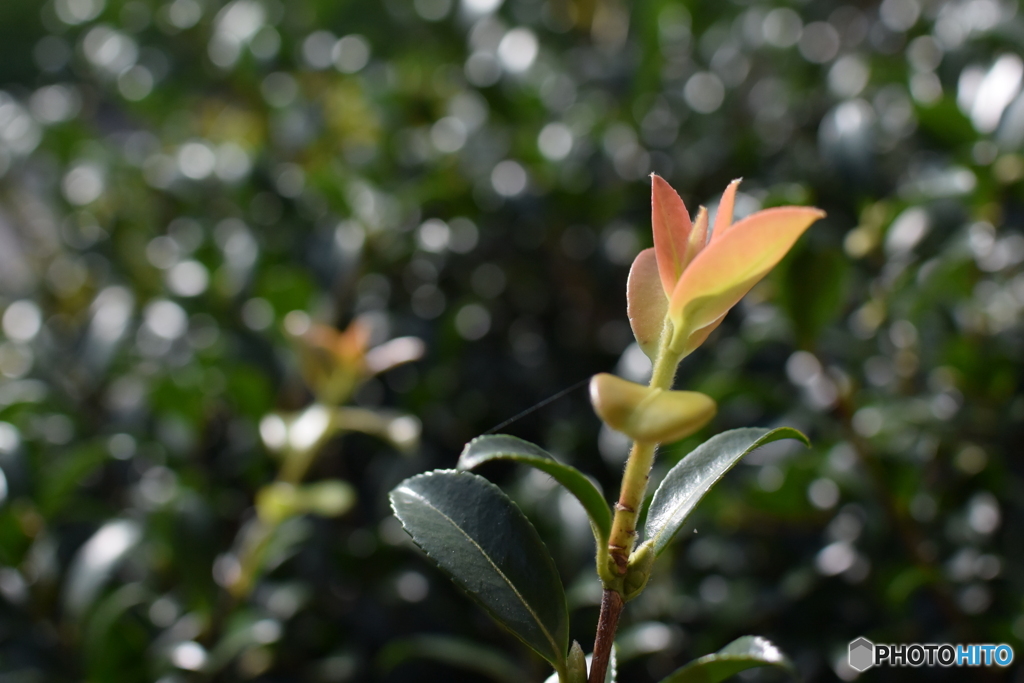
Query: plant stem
x,y
638,469
607,624
623,535
631,495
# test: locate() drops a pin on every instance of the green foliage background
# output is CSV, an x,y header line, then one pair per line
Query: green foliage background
x,y
176,177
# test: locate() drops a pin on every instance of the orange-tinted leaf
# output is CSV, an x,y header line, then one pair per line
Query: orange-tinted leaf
x,y
646,303
725,271
723,217
671,224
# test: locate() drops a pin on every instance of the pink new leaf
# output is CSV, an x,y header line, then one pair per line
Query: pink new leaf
x,y
671,224
720,275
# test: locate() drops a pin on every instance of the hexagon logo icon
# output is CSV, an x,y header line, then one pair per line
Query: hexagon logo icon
x,y
862,654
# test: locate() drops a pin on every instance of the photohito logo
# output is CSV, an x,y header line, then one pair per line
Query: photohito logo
x,y
864,654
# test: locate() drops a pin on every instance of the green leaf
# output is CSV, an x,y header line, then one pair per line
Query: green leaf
x,y
814,284
688,482
97,561
741,654
503,447
65,475
97,633
473,531
455,651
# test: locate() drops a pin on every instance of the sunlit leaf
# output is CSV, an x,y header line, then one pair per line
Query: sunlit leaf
x,y
724,272
744,653
649,414
96,561
687,483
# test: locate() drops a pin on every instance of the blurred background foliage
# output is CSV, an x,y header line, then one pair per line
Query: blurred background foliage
x,y
186,184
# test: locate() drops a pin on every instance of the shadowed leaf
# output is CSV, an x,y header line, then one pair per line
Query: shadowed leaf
x,y
503,447
474,532
457,652
646,303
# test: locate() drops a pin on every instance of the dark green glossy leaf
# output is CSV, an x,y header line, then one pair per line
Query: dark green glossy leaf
x,y
688,482
503,447
477,534
741,654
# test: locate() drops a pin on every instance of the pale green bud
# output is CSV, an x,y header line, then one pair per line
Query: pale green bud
x,y
638,571
577,669
649,414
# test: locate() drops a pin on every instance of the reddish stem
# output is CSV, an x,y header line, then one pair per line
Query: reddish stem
x,y
607,624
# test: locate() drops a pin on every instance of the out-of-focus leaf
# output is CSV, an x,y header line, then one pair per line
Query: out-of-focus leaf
x,y
285,542
458,652
96,561
280,500
276,502
401,431
686,484
947,123
744,653
330,498
644,638
250,390
813,289
264,547
477,534
108,611
66,474
243,632
503,447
